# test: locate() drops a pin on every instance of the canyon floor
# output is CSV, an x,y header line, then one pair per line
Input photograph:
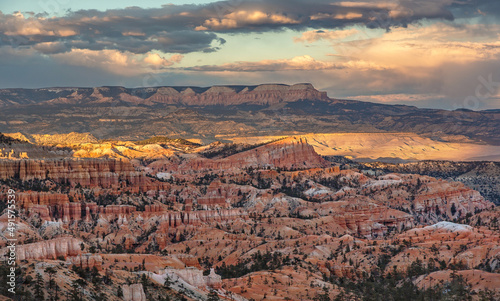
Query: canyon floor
x,y
280,218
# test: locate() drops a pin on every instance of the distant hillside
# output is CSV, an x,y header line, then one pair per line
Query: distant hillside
x,y
167,141
207,113
8,140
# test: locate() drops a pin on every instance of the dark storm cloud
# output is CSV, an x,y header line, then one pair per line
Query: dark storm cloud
x,y
137,31
192,28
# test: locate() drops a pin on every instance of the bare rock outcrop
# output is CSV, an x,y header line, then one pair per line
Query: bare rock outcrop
x,y
48,249
195,277
86,261
133,292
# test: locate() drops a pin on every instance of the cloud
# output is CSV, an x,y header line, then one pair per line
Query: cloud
x,y
156,60
305,62
316,35
194,28
429,46
51,47
437,65
485,10
134,30
111,60
121,63
246,19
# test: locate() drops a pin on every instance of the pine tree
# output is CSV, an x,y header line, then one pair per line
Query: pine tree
x,y
453,209
213,296
75,293
52,284
167,283
39,284
325,296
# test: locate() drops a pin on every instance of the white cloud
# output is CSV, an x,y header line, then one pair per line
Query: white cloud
x,y
244,18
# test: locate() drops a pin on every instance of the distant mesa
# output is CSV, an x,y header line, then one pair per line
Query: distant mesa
x,y
265,94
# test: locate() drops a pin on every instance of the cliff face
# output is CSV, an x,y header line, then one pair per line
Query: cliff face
x,y
104,173
48,249
288,153
61,210
86,261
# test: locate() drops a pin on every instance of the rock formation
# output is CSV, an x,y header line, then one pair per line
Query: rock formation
x,y
133,292
195,277
228,95
190,96
291,153
104,173
48,249
86,261
273,220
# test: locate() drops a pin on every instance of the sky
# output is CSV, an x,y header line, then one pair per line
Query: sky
x,y
428,53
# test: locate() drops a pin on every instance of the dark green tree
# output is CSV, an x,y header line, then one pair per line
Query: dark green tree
x,y
213,296
39,284
76,291
51,271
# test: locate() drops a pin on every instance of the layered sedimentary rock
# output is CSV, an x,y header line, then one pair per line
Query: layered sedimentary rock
x,y
430,200
366,219
86,261
190,96
288,153
453,202
452,244
25,199
48,249
278,209
104,173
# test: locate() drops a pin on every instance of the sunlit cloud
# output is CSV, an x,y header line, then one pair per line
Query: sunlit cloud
x,y
304,62
117,62
155,59
241,19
